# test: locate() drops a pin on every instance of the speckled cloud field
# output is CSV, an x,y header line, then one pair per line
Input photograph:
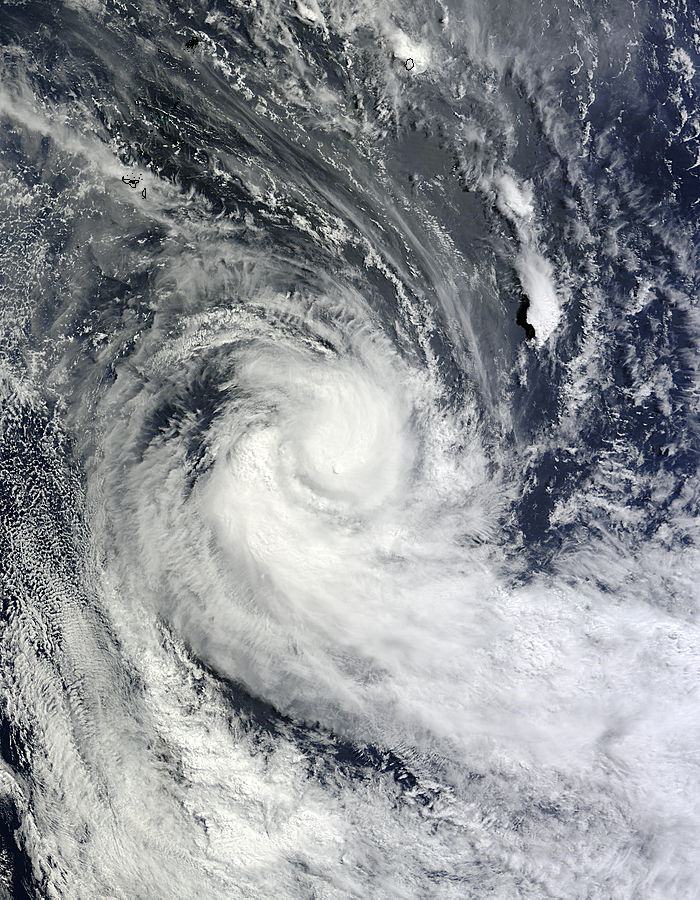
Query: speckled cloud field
x,y
349,450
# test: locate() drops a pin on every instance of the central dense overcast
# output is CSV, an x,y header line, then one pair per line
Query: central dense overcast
x,y
349,449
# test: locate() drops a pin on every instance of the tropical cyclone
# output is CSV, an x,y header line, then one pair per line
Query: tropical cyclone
x,y
319,577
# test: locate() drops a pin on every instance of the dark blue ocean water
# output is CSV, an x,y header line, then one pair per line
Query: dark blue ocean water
x,y
349,449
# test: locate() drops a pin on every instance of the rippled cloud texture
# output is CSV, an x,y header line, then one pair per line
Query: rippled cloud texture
x,y
348,450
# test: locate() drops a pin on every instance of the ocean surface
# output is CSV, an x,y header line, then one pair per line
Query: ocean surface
x,y
349,449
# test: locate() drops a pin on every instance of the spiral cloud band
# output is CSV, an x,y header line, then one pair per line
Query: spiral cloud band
x,y
348,450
